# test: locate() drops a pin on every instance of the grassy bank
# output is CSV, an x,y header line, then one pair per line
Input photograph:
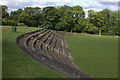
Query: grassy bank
x,y
16,63
97,56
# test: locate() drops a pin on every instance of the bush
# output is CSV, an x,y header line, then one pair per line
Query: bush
x,y
47,25
12,23
5,21
59,26
21,24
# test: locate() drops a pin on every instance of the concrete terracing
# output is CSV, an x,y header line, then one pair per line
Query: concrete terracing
x,y
49,48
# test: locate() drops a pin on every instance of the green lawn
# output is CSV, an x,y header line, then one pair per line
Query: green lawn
x,y
16,63
97,56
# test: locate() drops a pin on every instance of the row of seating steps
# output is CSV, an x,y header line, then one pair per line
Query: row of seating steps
x,y
50,49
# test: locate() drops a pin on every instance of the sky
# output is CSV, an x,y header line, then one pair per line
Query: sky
x,y
96,5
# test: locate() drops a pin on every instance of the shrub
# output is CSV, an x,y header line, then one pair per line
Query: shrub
x,y
47,25
12,22
21,24
5,21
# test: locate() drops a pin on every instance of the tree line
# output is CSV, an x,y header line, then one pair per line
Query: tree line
x,y
63,18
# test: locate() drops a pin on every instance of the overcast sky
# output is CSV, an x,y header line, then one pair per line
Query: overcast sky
x,y
97,5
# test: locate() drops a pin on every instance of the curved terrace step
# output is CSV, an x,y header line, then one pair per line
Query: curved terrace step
x,y
50,49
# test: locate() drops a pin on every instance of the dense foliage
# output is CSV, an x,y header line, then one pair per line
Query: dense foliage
x,y
64,18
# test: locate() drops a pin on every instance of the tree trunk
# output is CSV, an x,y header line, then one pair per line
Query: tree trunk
x,y
99,32
71,30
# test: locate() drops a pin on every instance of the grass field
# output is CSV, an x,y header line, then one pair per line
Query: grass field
x,y
96,55
16,63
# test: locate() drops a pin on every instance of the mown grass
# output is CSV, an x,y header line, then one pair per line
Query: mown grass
x,y
97,56
16,63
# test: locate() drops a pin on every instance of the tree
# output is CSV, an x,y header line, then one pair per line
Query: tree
x,y
47,25
66,18
24,18
30,16
50,14
113,23
12,22
4,21
100,19
15,14
60,26
5,14
78,12
78,17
